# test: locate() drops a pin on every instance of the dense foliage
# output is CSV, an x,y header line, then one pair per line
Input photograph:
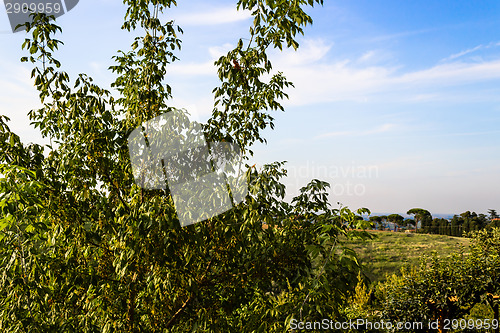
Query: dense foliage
x,y
458,226
446,288
84,249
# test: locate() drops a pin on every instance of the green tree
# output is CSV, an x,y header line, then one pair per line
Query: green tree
x,y
470,221
84,249
396,219
376,220
456,226
407,222
420,215
383,221
440,226
492,214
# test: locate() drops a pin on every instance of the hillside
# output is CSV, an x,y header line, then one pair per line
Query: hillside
x,y
388,251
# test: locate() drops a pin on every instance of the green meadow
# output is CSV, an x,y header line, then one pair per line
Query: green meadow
x,y
388,251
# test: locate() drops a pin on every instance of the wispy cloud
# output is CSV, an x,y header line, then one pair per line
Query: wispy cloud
x,y
320,79
381,129
206,68
213,16
199,108
462,53
219,50
310,51
193,68
465,134
17,98
402,34
15,82
367,56
453,74
471,50
332,80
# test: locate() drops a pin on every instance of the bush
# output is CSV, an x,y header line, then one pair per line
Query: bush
x,y
459,286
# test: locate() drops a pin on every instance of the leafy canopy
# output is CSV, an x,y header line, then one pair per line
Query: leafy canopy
x,y
85,249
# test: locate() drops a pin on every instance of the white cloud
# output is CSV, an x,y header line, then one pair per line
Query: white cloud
x,y
319,79
334,81
440,135
462,53
197,68
217,51
398,35
310,51
192,68
346,80
291,141
471,50
381,129
97,67
367,56
213,16
17,98
453,74
200,109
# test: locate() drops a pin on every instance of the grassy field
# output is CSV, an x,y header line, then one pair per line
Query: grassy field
x,y
389,251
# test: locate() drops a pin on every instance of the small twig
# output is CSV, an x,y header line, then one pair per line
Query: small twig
x,y
117,191
190,298
317,278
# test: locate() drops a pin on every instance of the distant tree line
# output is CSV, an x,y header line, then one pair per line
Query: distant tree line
x,y
423,222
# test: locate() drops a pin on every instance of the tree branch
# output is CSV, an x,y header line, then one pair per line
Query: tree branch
x,y
190,298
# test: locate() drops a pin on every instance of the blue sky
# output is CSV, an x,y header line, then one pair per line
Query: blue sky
x,y
397,103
